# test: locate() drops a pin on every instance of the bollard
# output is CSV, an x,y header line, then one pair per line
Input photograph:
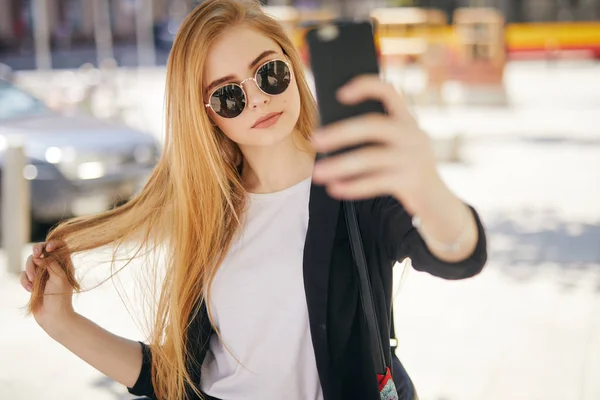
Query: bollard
x,y
145,34
41,35
16,219
102,30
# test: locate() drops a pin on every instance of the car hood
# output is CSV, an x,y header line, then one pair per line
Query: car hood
x,y
82,133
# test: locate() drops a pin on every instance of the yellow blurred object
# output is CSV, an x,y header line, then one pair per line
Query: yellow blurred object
x,y
532,37
405,33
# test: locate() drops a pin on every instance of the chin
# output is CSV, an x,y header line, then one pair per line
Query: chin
x,y
274,135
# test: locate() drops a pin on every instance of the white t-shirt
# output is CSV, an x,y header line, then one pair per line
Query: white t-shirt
x,y
259,306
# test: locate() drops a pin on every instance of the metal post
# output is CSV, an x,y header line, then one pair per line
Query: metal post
x,y
102,31
43,58
144,21
16,219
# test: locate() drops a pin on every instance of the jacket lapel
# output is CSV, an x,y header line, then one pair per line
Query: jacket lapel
x,y
323,216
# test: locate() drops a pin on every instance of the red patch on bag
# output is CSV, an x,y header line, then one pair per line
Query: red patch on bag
x,y
383,379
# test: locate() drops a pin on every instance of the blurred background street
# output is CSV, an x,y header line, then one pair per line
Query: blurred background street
x,y
508,91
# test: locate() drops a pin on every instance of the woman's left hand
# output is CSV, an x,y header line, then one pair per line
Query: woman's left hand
x,y
401,164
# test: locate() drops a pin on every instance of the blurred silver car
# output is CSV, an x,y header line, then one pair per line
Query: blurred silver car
x,y
76,165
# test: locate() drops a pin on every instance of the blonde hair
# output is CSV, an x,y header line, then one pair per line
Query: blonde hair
x,y
194,199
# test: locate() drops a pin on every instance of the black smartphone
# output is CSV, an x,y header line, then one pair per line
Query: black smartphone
x,y
340,51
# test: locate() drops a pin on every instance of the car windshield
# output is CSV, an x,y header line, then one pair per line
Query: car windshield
x,y
15,103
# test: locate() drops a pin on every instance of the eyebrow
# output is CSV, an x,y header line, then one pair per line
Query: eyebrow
x,y
253,64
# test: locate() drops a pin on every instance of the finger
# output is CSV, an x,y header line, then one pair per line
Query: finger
x,y
365,187
60,245
30,268
39,262
371,128
371,87
354,163
25,282
53,245
38,249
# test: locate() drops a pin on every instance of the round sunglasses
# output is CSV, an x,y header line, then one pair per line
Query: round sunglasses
x,y
229,100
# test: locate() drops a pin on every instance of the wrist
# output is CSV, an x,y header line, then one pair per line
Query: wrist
x,y
432,199
451,237
454,236
59,326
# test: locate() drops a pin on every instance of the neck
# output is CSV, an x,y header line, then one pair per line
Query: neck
x,y
274,168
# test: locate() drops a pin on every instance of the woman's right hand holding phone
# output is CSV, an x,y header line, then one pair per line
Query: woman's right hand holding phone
x,y
57,306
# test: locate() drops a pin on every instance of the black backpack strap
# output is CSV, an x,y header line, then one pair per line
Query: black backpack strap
x,y
366,294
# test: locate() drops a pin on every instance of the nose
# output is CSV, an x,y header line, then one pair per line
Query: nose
x,y
254,95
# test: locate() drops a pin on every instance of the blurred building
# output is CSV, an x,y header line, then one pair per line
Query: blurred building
x,y
71,22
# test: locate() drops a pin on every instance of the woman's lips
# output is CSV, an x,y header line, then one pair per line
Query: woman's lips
x,y
267,121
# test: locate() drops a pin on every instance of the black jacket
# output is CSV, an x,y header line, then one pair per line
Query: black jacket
x,y
337,324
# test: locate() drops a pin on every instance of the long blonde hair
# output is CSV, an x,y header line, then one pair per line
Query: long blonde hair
x,y
194,199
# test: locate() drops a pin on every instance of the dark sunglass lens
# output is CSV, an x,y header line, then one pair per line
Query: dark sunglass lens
x,y
228,101
273,77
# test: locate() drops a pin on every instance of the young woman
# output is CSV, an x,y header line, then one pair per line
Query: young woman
x,y
259,298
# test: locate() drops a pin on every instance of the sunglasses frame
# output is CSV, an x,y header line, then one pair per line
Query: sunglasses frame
x,y
241,85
